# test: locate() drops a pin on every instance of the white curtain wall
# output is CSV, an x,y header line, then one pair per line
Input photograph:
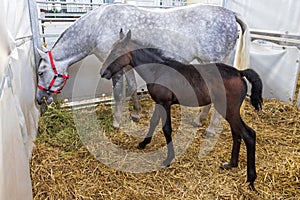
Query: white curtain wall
x,y
281,16
19,113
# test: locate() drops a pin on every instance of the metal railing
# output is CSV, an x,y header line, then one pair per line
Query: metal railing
x,y
56,16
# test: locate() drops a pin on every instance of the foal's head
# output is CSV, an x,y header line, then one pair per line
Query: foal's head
x,y
118,57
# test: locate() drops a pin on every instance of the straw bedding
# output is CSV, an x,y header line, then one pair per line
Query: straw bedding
x,y
63,168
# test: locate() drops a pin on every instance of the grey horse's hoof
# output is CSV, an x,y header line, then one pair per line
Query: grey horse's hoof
x,y
209,134
135,117
196,123
116,125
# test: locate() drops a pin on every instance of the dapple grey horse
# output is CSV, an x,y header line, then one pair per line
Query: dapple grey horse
x,y
202,32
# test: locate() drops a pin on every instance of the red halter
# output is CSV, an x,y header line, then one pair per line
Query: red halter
x,y
54,78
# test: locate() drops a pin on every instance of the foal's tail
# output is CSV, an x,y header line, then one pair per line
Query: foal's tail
x,y
256,90
242,58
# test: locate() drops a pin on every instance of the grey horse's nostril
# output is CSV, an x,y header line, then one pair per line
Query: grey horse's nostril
x,y
39,102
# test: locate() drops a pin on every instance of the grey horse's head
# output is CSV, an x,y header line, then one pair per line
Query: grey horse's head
x,y
50,78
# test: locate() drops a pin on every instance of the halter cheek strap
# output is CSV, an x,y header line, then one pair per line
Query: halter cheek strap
x,y
56,74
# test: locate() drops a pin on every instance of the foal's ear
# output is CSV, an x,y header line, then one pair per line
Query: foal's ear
x,y
126,38
121,34
128,35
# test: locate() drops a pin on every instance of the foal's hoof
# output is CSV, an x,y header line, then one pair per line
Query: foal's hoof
x,y
135,117
141,146
251,187
166,163
227,165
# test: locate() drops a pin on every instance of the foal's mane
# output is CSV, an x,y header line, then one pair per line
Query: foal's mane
x,y
164,55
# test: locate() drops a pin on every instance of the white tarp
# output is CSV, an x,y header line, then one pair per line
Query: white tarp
x,y
278,66
281,16
19,114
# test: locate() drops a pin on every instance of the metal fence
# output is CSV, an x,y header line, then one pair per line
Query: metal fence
x,y
55,16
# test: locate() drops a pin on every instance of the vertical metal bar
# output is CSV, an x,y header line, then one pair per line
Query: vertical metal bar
x,y
224,3
33,12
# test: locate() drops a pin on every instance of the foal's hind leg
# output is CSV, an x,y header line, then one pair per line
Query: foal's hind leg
x,y
132,86
240,130
249,137
236,137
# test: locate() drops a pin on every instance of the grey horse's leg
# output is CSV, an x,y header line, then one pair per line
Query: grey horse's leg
x,y
216,122
118,87
215,126
201,116
132,86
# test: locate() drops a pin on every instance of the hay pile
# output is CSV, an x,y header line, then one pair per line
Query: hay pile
x,y
63,168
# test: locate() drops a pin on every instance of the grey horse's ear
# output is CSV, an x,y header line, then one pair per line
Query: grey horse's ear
x,y
121,34
42,53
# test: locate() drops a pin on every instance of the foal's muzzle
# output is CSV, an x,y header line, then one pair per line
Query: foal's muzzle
x,y
105,74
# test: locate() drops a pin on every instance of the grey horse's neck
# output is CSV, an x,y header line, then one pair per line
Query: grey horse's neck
x,y
74,44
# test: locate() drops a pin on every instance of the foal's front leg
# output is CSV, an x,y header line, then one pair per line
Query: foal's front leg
x,y
164,113
153,123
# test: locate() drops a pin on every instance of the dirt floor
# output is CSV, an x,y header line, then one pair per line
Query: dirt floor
x,y
78,155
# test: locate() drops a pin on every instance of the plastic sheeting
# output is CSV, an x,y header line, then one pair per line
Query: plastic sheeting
x,y
278,66
269,15
19,113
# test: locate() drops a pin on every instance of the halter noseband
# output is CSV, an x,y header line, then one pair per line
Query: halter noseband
x,y
56,74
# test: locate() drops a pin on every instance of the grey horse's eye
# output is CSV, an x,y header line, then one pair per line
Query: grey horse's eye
x,y
40,73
